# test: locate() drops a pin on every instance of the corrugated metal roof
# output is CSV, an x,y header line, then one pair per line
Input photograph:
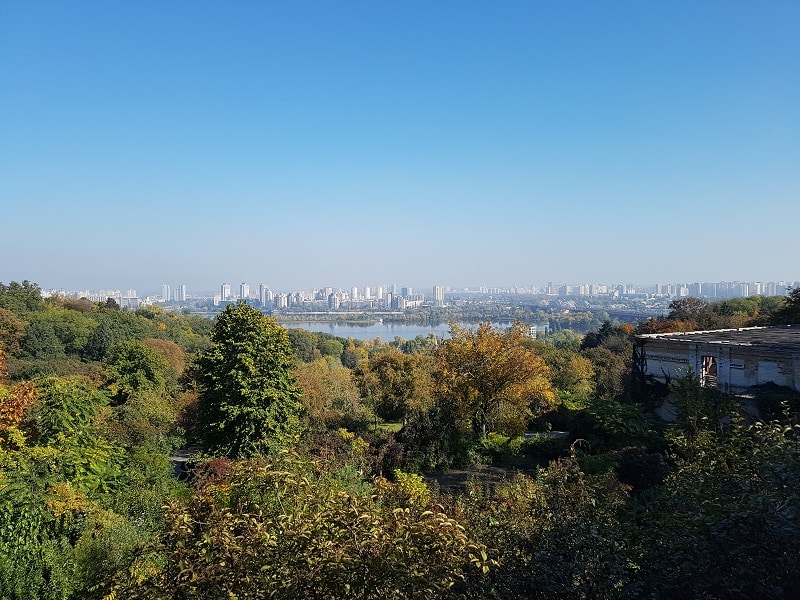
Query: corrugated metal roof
x,y
787,336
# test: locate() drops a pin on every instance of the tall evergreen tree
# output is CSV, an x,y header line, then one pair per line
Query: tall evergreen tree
x,y
249,401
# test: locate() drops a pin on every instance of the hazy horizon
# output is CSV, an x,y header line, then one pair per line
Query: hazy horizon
x,y
208,291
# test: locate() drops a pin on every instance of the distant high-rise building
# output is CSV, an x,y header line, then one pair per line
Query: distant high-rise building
x,y
367,293
354,293
407,291
225,292
165,295
244,291
438,295
264,294
181,293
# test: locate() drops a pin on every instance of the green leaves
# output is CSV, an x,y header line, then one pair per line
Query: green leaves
x,y
249,403
279,529
64,406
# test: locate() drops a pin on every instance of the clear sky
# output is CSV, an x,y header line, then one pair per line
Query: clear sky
x,y
356,143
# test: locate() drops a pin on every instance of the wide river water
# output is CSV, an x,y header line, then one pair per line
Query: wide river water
x,y
386,331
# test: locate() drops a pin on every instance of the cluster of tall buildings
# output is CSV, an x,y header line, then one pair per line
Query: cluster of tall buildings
x,y
393,297
176,294
381,296
710,290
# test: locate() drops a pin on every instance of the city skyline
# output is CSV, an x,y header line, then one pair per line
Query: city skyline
x,y
226,292
517,142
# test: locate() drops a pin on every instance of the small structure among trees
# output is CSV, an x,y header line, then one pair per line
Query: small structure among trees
x,y
731,360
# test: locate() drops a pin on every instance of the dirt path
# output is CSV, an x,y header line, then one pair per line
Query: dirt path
x,y
456,479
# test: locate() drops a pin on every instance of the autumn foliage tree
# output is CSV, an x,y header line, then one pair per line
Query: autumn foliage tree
x,y
330,396
491,379
397,384
14,402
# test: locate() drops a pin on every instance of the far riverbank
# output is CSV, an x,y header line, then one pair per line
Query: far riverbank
x,y
369,331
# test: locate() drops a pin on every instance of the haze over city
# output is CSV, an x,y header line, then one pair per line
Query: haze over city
x,y
359,143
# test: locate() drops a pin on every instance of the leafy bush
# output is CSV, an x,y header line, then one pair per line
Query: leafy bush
x,y
773,401
279,530
610,424
545,447
494,446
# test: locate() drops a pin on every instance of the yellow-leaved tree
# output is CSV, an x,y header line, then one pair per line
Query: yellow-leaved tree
x,y
492,381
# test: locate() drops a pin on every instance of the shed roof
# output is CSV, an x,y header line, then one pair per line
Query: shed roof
x,y
785,337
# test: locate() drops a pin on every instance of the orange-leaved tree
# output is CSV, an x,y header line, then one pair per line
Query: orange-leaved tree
x,y
14,401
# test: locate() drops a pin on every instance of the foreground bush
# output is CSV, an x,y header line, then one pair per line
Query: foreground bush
x,y
282,529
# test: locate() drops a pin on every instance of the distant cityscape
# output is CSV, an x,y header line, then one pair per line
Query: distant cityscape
x,y
400,298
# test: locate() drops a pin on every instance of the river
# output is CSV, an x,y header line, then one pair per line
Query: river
x,y
386,331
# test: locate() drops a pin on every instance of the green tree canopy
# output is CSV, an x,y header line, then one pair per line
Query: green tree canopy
x,y
116,326
21,297
63,406
41,341
249,399
134,367
72,327
397,384
304,344
790,313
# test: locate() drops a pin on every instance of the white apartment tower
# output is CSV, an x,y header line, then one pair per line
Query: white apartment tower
x,y
244,291
165,295
225,292
264,294
438,295
281,301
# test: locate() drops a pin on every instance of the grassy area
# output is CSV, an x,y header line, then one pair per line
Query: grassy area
x,y
390,427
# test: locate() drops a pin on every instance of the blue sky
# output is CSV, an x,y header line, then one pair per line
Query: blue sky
x,y
356,143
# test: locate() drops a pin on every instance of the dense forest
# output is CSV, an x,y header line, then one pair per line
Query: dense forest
x,y
149,454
